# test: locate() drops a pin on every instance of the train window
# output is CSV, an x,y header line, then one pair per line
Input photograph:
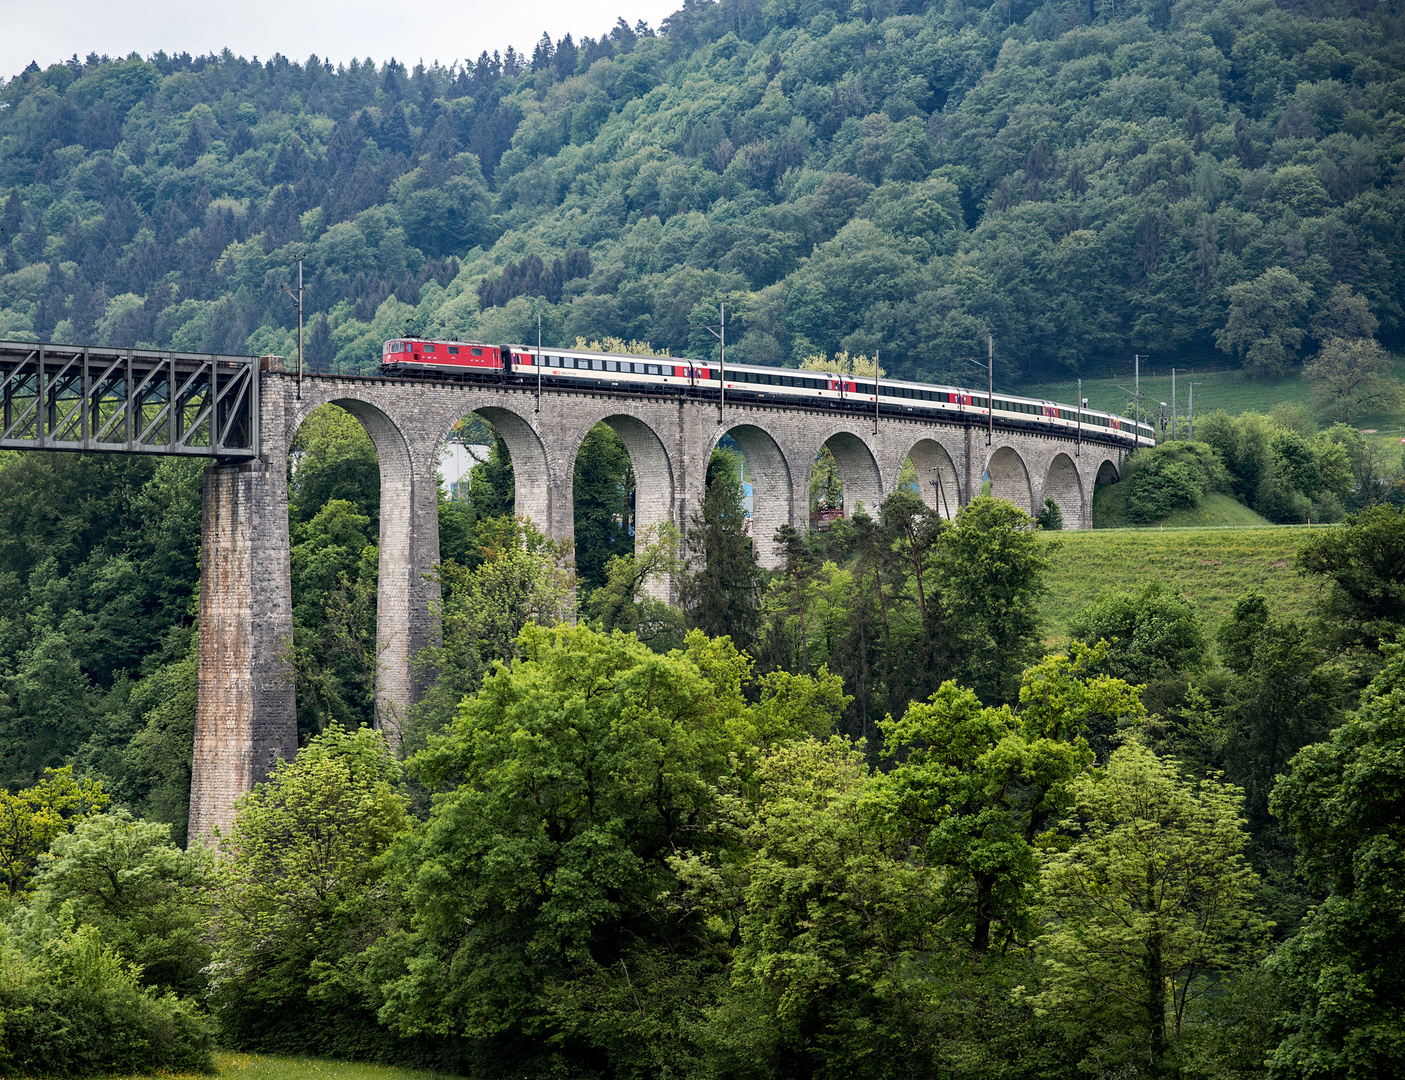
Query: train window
x,y
429,347
453,350
610,365
597,365
476,352
653,369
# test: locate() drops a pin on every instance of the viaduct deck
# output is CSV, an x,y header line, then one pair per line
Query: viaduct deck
x,y
245,712
225,408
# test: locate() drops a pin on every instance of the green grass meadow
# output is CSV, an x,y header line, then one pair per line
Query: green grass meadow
x,y
234,1066
1212,566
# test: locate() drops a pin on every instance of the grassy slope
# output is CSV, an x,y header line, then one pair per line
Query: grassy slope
x,y
232,1066
1211,566
1217,511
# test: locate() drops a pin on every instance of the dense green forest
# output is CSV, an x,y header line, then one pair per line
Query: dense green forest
x,y
838,818
1084,180
841,818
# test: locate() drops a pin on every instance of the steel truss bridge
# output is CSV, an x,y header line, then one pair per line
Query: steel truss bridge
x,y
74,397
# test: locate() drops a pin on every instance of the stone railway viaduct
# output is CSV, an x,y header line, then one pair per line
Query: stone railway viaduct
x,y
246,714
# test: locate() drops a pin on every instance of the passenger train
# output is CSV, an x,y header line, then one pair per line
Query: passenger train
x,y
564,368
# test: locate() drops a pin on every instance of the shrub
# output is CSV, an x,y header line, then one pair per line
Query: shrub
x,y
1169,477
74,1007
142,893
1051,518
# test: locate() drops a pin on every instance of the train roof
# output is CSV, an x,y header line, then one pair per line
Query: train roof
x,y
713,364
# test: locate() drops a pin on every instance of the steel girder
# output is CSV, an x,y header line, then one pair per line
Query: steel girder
x,y
77,397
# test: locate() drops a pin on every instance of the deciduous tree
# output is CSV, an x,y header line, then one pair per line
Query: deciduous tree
x,y
1344,970
1265,323
1151,896
31,819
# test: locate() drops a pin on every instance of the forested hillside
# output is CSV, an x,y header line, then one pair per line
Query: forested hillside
x,y
839,818
1083,180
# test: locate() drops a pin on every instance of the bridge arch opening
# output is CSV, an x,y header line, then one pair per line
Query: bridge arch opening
x,y
769,487
622,500
350,482
1063,484
845,472
603,487
1009,479
935,477
493,461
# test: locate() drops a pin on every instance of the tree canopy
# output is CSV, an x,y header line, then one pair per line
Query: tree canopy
x,y
1081,181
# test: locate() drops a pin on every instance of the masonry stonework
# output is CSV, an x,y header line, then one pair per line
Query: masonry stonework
x,y
245,715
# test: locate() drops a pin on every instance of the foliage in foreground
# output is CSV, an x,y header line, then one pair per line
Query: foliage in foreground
x,y
637,863
70,1005
1344,972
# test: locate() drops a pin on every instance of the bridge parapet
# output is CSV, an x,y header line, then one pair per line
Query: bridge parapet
x,y
246,716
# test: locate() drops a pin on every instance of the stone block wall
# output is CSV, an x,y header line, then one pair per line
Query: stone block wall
x,y
246,716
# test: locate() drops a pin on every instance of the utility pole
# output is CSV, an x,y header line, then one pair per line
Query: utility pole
x,y
720,333
296,297
539,362
1190,413
722,362
989,385
1137,400
1173,404
875,391
1078,446
990,388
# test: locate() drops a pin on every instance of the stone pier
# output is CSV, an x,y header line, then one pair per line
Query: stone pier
x,y
246,717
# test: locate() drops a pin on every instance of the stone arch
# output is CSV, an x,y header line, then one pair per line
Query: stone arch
x,y
858,472
531,475
1009,479
408,549
654,487
773,490
402,596
1108,472
937,478
1063,484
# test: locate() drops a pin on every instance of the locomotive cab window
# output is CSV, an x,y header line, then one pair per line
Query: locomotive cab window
x,y
476,352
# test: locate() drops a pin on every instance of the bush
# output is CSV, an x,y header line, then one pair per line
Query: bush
x,y
1172,476
1051,518
1155,632
75,1008
124,877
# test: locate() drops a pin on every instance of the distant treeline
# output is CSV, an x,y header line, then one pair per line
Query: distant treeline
x,y
1082,182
